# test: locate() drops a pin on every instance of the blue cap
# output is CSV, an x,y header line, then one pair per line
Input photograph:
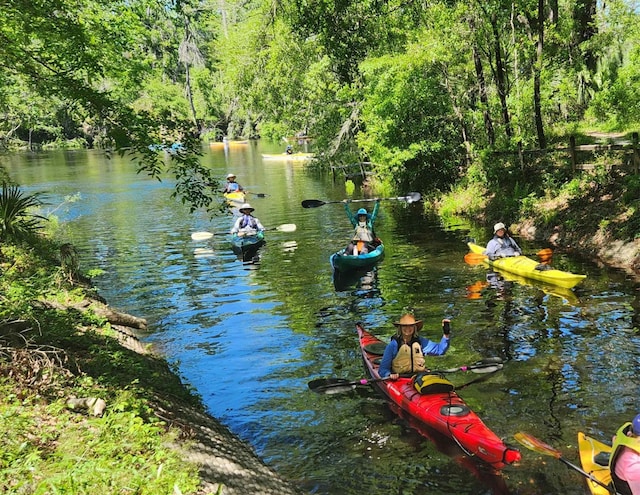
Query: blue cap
x,y
362,211
636,425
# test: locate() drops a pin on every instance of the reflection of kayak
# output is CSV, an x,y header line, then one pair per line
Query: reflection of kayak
x,y
345,262
247,246
594,458
526,267
235,198
293,157
445,412
563,293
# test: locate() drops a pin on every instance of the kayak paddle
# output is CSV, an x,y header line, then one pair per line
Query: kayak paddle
x,y
338,385
476,258
532,443
412,197
202,236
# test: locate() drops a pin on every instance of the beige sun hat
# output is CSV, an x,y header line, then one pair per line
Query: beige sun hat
x,y
409,319
230,176
246,206
499,226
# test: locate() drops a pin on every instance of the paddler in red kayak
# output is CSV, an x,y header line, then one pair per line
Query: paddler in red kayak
x,y
406,351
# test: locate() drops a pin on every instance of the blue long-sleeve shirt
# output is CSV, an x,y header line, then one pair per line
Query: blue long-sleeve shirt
x,y
429,348
371,217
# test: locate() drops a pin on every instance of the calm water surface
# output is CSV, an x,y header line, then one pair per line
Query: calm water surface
x,y
249,337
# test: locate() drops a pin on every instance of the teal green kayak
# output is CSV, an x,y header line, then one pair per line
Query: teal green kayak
x,y
247,246
344,262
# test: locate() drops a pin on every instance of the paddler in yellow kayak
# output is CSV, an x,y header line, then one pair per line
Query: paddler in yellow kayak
x,y
231,185
625,458
502,245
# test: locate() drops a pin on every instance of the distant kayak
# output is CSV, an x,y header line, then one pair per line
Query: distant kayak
x,y
528,268
285,157
594,457
223,144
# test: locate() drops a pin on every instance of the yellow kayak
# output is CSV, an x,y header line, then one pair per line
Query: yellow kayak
x,y
589,449
235,198
286,157
526,267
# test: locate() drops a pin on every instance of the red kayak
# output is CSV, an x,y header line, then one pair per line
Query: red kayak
x,y
445,412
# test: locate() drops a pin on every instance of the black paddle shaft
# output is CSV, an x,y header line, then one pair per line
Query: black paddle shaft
x,y
315,203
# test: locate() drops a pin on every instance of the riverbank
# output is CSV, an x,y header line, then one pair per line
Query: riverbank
x,y
86,406
594,215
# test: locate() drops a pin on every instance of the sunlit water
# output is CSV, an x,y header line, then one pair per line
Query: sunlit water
x,y
248,337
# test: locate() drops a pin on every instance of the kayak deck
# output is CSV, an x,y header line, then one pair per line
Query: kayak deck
x,y
445,412
235,198
590,448
526,267
344,262
247,246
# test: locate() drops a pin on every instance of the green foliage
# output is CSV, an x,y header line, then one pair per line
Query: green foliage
x,y
407,131
17,221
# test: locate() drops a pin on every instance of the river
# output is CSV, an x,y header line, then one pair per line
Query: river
x,y
248,337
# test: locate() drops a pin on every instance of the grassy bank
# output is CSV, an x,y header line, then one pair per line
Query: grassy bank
x,y
54,358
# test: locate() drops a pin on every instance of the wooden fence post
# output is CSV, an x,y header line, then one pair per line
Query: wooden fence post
x,y
635,153
572,150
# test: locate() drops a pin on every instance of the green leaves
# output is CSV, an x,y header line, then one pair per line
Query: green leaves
x,y
17,222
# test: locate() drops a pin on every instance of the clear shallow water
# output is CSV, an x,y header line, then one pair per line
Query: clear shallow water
x,y
249,337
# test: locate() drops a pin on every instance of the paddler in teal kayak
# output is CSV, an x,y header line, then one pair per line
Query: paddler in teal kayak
x,y
364,234
247,225
406,351
624,462
502,245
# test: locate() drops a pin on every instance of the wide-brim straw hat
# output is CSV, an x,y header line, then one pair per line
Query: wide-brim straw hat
x,y
231,176
409,319
246,206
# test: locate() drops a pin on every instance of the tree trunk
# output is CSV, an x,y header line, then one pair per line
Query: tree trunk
x,y
482,93
584,20
542,141
501,81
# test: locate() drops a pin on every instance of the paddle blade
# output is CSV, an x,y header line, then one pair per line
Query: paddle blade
x,y
413,197
312,203
330,386
287,227
545,255
201,236
486,368
474,259
532,443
